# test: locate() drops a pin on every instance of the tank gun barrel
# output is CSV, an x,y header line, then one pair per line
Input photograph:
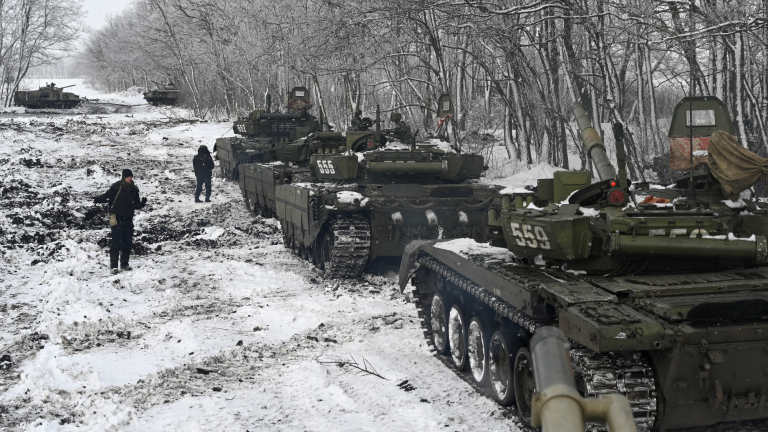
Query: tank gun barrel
x,y
72,85
558,406
593,143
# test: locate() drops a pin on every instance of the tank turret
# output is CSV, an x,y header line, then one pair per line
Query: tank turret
x,y
605,226
262,131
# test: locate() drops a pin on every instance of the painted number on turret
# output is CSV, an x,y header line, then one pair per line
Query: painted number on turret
x,y
530,236
240,128
326,167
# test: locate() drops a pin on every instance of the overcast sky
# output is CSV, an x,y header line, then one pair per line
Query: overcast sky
x,y
96,11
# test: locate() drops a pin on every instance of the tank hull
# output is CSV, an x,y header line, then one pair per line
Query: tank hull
x,y
234,152
46,99
702,339
162,97
397,214
258,183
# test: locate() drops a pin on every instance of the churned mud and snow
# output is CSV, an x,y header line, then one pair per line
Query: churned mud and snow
x,y
217,328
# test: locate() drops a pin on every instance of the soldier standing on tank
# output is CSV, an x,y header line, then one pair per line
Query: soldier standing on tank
x,y
203,165
123,200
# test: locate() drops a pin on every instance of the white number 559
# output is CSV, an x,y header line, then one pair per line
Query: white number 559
x,y
532,236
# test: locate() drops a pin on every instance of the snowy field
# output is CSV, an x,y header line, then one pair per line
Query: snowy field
x,y
218,328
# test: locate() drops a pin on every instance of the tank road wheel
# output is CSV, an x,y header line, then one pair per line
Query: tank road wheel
x,y
524,384
477,350
457,338
346,246
439,323
501,355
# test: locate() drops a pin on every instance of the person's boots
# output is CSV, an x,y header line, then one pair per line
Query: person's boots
x,y
124,256
113,258
207,198
197,199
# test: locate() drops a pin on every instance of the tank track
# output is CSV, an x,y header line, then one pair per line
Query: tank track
x,y
351,246
631,375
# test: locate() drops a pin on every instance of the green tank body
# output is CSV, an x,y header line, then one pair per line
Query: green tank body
x,y
291,159
164,94
663,294
345,199
261,131
49,96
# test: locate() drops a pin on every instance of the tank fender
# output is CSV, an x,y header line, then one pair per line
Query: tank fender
x,y
606,327
408,264
520,295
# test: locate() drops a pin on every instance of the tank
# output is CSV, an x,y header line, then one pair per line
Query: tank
x,y
291,159
165,94
49,96
261,130
367,199
661,291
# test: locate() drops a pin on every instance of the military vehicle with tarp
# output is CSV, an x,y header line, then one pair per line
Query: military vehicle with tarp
x,y
49,96
662,291
261,130
164,94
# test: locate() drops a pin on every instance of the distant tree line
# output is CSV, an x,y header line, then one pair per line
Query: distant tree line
x,y
34,33
511,66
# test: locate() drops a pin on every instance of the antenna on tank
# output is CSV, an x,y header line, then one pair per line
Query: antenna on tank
x,y
691,196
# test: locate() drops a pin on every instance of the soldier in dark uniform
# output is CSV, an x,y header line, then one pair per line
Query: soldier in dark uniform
x,y
203,165
123,200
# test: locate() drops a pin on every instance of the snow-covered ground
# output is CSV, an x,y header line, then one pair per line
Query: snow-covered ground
x,y
217,328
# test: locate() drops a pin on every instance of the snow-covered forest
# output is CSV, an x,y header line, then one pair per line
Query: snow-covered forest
x,y
513,67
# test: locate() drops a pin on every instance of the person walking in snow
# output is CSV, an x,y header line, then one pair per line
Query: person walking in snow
x,y
203,165
123,200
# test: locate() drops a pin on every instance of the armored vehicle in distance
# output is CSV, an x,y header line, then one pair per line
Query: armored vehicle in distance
x,y
49,96
261,130
662,291
165,94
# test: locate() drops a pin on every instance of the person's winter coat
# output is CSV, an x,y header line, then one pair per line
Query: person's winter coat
x,y
203,163
127,200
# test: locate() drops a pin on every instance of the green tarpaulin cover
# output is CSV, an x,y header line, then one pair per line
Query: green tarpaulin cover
x,y
737,168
